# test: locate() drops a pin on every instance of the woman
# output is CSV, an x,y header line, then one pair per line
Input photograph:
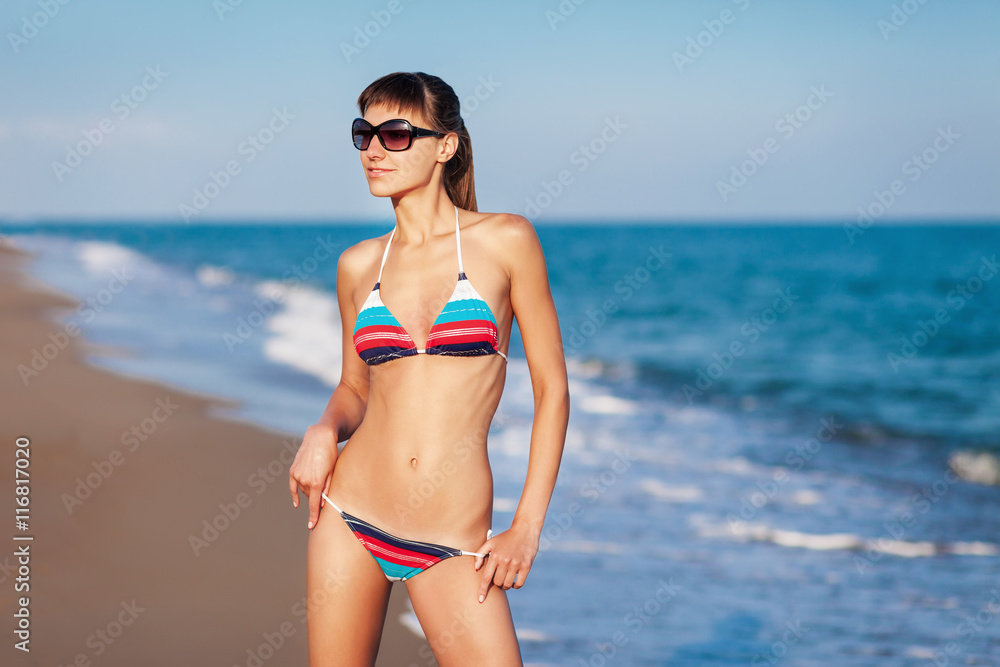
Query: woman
x,y
423,373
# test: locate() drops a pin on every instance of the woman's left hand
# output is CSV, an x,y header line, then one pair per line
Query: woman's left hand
x,y
510,556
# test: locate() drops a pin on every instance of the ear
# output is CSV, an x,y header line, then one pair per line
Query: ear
x,y
449,146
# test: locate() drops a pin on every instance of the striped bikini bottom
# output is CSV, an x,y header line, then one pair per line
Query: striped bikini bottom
x,y
399,559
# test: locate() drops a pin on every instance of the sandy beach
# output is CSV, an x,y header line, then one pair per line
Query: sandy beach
x,y
162,534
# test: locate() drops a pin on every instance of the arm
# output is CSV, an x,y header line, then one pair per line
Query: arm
x,y
531,301
349,401
312,469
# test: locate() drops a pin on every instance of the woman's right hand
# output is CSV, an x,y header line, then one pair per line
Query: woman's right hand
x,y
312,469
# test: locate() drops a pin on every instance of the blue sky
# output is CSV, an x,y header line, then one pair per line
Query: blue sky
x,y
670,139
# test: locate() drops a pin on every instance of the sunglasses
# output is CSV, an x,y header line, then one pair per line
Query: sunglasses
x,y
395,135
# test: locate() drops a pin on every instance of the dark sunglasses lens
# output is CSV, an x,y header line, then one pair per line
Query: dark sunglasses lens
x,y
362,133
395,136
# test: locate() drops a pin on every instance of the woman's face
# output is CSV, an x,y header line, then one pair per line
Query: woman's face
x,y
394,173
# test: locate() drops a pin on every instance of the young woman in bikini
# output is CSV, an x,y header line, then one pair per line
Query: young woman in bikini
x,y
423,371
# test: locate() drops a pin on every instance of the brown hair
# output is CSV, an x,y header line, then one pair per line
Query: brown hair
x,y
437,102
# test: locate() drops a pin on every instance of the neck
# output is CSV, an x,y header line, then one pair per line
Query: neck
x,y
421,217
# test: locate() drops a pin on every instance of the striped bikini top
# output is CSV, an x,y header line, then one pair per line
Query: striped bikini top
x,y
464,328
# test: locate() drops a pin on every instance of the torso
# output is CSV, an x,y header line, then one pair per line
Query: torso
x,y
417,466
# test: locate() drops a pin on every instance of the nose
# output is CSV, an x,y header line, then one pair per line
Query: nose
x,y
375,150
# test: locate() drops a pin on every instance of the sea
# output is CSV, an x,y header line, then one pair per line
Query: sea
x,y
784,441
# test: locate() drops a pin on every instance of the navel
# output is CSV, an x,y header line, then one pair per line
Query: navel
x,y
413,462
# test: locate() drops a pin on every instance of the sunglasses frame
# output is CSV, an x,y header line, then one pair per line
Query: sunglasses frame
x,y
414,132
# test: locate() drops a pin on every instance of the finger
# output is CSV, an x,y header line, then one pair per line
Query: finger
x,y
508,580
486,580
314,499
326,490
485,548
520,577
502,573
293,486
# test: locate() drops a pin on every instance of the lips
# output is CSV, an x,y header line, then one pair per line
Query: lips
x,y
378,172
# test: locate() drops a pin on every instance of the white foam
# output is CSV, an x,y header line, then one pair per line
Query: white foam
x,y
974,549
737,466
791,538
606,404
529,635
670,492
978,467
907,549
921,652
504,504
806,497
306,330
588,369
748,531
101,257
214,276
410,621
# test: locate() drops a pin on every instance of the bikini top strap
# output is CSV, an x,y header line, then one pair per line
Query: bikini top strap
x,y
385,254
458,242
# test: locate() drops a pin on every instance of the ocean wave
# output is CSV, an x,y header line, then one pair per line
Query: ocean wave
x,y
757,532
305,331
214,276
670,492
100,257
977,467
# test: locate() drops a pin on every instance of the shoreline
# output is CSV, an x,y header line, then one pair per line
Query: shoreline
x,y
158,528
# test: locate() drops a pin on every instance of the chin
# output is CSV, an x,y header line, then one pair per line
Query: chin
x,y
379,190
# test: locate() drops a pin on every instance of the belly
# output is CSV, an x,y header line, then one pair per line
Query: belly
x,y
417,466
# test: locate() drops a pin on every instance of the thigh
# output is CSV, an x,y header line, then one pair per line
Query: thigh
x,y
347,595
459,629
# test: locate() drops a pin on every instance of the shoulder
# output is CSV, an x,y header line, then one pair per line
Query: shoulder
x,y
514,239
357,259
510,230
